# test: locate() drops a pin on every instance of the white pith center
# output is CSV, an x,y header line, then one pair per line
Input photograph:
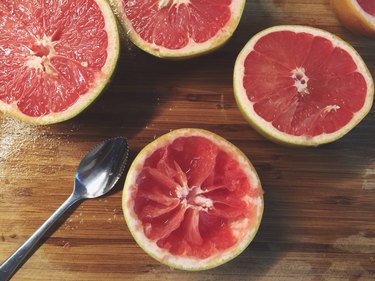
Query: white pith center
x,y
300,80
330,108
35,62
193,198
182,191
164,3
40,55
203,202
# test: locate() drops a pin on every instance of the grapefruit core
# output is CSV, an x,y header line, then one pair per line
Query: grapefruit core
x,y
192,200
356,15
300,85
55,57
179,28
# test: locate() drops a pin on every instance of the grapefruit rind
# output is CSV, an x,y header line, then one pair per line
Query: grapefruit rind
x,y
354,17
136,228
265,128
192,49
101,82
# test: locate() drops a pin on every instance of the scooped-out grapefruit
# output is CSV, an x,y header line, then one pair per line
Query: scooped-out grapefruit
x,y
300,85
179,28
192,200
55,57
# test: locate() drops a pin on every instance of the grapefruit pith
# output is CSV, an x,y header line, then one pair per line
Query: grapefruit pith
x,y
55,57
300,85
356,15
179,28
192,200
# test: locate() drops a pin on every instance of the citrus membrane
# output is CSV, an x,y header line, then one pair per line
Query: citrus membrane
x,y
192,200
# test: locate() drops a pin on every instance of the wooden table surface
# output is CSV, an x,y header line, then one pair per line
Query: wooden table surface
x,y
319,220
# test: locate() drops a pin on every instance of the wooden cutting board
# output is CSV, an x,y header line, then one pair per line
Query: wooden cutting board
x,y
319,220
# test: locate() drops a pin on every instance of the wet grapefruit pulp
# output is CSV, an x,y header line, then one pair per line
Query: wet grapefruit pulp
x,y
172,24
53,53
194,198
179,28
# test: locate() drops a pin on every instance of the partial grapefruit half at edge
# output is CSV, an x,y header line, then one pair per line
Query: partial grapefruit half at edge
x,y
192,200
356,15
179,29
55,57
303,86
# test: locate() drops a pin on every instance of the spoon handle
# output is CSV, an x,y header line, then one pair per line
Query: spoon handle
x,y
19,256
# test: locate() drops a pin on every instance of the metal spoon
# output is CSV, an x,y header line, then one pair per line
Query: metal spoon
x,y
97,173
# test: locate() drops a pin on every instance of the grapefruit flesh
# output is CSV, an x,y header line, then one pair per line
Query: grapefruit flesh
x,y
55,57
356,15
192,200
179,28
368,6
301,85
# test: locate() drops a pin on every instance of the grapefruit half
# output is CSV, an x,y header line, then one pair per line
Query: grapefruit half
x,y
356,15
192,200
55,57
179,28
300,85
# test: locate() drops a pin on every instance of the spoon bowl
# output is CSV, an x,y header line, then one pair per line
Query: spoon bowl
x,y
96,175
100,169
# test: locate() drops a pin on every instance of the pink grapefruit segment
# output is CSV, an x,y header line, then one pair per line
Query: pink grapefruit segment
x,y
179,28
192,200
301,85
55,57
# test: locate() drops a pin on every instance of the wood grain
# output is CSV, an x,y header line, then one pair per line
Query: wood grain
x,y
319,203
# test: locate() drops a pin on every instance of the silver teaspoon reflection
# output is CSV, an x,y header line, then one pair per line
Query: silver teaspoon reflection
x,y
97,173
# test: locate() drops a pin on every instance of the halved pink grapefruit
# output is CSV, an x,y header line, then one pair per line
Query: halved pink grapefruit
x,y
300,85
356,15
192,200
179,28
55,57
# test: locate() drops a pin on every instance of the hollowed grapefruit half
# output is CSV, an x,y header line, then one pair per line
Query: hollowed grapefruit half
x,y
192,200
